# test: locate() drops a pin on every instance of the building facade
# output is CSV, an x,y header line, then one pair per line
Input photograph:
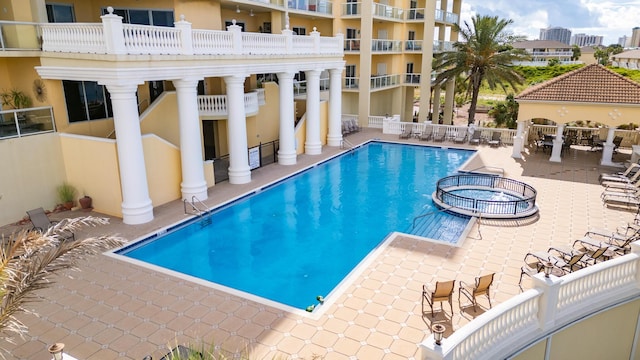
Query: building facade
x,y
556,34
586,40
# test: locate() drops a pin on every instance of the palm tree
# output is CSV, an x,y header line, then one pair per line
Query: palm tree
x,y
30,258
484,54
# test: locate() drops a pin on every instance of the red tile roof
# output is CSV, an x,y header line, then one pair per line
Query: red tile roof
x,y
592,83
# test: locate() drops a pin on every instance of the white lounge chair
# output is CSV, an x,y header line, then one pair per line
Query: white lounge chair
x,y
622,175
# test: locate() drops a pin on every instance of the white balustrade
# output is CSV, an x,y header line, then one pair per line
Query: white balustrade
x,y
83,38
211,42
216,105
144,39
375,121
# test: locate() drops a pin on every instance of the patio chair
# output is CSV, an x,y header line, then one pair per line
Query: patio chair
x,y
617,141
496,139
623,176
627,200
621,186
529,269
461,137
481,287
442,292
439,134
475,137
576,262
407,132
42,223
427,133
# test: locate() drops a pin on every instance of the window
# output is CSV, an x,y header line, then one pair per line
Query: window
x,y
86,100
60,13
350,76
144,16
299,31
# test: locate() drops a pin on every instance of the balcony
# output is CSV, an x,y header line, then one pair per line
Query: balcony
x,y
351,83
387,12
16,35
215,106
351,9
113,37
317,6
352,45
446,17
379,46
382,81
413,45
24,122
411,79
440,46
415,14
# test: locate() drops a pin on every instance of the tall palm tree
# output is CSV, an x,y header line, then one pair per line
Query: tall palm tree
x,y
28,261
484,54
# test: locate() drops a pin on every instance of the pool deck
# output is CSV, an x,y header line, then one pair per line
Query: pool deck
x,y
117,310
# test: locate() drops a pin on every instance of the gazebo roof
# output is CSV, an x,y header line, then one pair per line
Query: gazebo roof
x,y
589,84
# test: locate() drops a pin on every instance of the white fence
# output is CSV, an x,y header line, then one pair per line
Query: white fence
x,y
391,126
216,105
114,37
554,303
584,134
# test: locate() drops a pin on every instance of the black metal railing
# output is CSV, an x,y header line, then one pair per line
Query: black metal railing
x,y
259,156
506,206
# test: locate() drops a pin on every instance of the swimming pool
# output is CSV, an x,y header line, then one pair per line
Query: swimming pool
x,y
298,238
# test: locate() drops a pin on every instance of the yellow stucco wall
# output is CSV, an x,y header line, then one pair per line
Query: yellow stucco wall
x,y
161,118
608,114
301,129
91,165
164,172
37,167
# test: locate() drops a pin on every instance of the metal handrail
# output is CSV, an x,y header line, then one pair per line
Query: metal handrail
x,y
346,142
428,214
487,167
196,209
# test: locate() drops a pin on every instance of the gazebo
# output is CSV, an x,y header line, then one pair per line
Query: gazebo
x,y
591,93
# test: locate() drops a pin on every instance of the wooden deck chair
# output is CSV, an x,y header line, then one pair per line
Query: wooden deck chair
x,y
481,287
42,223
442,292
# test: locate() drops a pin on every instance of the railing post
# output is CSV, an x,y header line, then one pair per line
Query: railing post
x,y
549,300
315,35
288,40
236,32
340,41
186,36
113,32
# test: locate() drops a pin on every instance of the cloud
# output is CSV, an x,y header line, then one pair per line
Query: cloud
x,y
610,18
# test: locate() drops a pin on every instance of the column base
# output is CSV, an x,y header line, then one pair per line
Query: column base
x,y
607,155
197,190
134,215
313,149
517,147
239,176
287,158
334,140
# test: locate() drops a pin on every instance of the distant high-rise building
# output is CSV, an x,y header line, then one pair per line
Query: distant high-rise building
x,y
556,33
586,40
624,41
635,37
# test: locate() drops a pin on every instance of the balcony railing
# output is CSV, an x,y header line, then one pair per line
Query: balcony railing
x,y
413,45
551,53
351,82
415,14
318,6
114,37
381,81
351,8
216,105
19,35
447,17
270,2
352,45
439,46
411,78
386,11
386,45
23,122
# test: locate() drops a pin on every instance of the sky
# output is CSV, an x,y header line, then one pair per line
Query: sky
x,y
609,18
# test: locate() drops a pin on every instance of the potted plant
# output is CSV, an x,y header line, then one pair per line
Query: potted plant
x,y
66,195
16,99
85,202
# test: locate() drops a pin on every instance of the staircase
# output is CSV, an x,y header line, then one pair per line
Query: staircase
x,y
440,226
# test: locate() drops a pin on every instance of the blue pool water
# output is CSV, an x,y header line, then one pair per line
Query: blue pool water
x,y
300,237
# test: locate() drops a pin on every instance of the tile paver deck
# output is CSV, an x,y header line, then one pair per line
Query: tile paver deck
x,y
115,310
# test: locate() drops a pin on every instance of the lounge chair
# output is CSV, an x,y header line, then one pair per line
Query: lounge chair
x,y
619,241
482,287
475,137
623,176
461,137
442,292
621,186
42,223
496,139
427,133
439,134
407,132
627,200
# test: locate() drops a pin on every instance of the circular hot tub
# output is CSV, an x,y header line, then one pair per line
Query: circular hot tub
x,y
486,196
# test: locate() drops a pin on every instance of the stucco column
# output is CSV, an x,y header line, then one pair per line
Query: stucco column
x,y
556,151
239,171
425,65
312,145
334,136
136,203
518,141
193,182
449,101
287,151
607,149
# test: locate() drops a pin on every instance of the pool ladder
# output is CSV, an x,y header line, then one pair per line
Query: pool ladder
x,y
197,207
345,144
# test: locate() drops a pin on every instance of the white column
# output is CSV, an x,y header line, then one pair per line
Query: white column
x,y
518,141
607,149
556,151
136,203
312,145
334,136
287,151
239,171
193,182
